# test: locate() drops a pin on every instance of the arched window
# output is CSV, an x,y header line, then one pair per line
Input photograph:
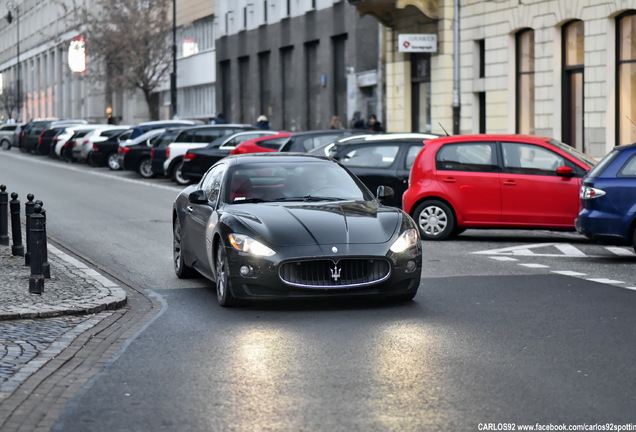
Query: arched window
x,y
626,80
572,101
525,81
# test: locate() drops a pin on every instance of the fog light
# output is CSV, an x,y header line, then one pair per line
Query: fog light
x,y
245,270
411,266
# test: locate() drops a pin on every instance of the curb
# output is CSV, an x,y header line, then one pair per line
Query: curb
x,y
73,288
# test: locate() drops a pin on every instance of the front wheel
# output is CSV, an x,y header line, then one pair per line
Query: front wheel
x,y
435,219
223,292
145,168
6,145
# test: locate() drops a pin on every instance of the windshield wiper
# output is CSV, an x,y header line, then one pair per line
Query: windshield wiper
x,y
309,198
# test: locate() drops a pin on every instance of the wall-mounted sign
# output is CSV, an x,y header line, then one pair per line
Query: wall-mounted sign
x,y
190,47
77,55
417,43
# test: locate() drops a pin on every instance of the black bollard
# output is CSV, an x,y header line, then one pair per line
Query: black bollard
x,y
4,216
46,268
36,280
17,249
28,211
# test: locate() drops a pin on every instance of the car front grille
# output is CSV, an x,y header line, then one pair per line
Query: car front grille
x,y
335,274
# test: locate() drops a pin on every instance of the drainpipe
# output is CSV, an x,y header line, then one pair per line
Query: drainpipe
x,y
456,103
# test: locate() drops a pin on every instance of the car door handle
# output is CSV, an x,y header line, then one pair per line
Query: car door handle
x,y
449,180
510,183
190,209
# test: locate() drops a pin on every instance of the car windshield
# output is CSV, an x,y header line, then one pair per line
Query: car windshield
x,y
298,181
574,152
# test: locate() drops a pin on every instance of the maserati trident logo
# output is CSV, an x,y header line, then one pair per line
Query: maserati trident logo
x,y
335,272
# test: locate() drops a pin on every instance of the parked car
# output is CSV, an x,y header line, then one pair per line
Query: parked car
x,y
32,130
106,153
81,151
161,124
494,181
135,154
191,138
299,142
284,225
380,159
608,199
7,131
64,135
197,161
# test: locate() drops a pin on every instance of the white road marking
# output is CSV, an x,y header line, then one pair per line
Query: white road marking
x,y
504,259
70,167
568,273
620,251
605,281
529,265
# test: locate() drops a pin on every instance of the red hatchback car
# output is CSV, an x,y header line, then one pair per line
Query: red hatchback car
x,y
494,181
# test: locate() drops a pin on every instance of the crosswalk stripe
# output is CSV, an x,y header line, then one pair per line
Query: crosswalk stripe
x,y
620,251
568,273
605,281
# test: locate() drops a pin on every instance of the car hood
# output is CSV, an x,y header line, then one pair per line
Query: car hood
x,y
320,223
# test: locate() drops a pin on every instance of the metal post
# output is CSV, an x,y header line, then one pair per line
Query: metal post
x,y
28,211
36,280
17,249
4,216
173,75
46,268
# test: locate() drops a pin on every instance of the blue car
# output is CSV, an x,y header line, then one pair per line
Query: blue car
x,y
608,199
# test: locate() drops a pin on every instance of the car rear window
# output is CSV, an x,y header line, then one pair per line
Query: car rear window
x,y
629,169
598,169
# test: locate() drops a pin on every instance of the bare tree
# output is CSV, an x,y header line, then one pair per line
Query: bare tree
x,y
9,101
131,38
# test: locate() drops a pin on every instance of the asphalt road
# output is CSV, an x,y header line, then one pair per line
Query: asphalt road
x,y
507,328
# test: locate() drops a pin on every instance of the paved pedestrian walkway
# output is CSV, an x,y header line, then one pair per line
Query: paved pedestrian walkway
x,y
34,328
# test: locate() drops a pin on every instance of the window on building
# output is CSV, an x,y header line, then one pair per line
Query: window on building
x,y
481,55
525,81
421,92
481,100
626,80
265,11
573,101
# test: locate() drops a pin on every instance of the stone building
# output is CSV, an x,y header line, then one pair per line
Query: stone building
x,y
558,68
297,62
43,32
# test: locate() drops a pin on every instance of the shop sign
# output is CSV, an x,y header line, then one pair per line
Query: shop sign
x,y
417,43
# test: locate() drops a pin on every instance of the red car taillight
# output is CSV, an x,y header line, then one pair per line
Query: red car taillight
x,y
40,138
123,150
168,153
152,153
95,148
188,157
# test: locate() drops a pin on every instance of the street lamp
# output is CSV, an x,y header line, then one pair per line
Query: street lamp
x,y
14,7
173,75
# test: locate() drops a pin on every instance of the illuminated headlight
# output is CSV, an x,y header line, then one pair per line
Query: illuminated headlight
x,y
243,243
406,241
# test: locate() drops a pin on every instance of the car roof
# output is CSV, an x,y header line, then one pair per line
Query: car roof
x,y
282,156
492,137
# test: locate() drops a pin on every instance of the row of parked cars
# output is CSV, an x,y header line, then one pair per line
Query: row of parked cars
x,y
447,184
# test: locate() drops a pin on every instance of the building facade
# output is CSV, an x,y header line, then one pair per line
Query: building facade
x,y
558,68
37,43
298,62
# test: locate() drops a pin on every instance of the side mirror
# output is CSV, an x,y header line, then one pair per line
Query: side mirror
x,y
198,197
384,192
564,171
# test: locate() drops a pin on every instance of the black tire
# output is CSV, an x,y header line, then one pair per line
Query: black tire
x,y
182,270
435,219
112,160
144,168
6,144
223,288
177,174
